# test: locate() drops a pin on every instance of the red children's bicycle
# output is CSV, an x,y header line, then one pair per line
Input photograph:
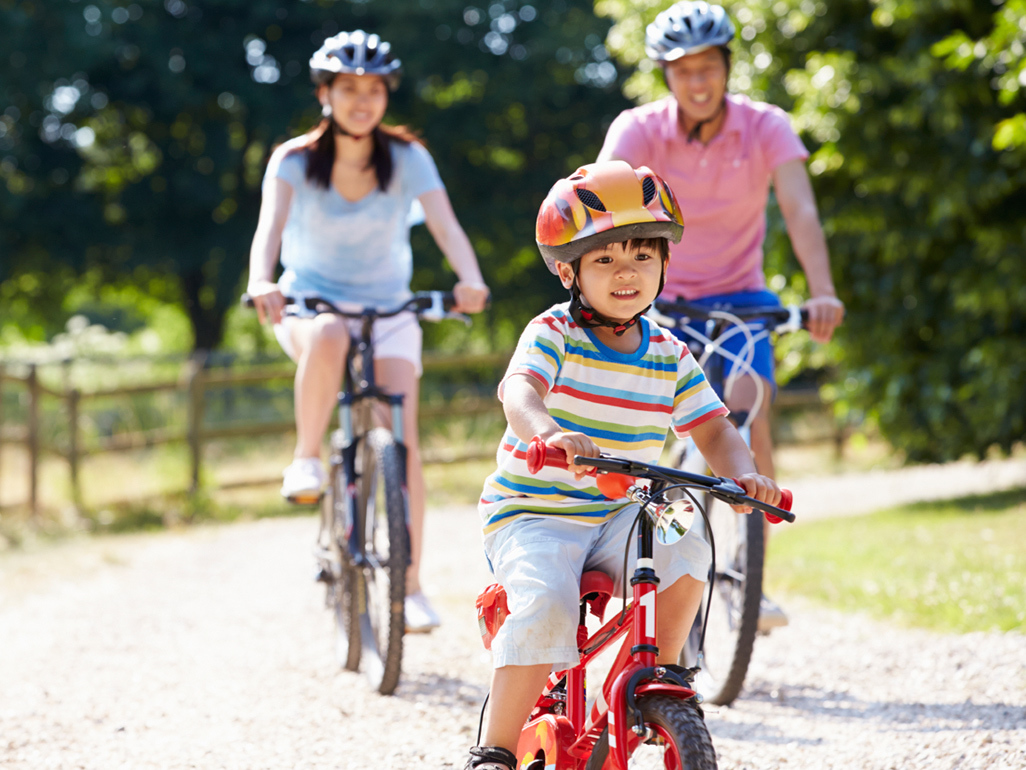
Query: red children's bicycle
x,y
646,715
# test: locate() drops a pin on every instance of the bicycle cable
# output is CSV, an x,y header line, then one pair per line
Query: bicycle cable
x,y
626,560
480,721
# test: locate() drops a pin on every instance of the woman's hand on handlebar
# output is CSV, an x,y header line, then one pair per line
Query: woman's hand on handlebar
x,y
267,299
471,297
573,444
762,488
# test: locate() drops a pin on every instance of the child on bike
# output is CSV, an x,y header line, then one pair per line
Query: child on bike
x,y
593,375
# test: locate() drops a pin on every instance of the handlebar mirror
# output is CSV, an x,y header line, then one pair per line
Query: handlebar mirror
x,y
673,520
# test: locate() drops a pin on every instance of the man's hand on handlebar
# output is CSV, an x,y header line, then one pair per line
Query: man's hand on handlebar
x,y
471,297
825,314
267,299
762,488
574,444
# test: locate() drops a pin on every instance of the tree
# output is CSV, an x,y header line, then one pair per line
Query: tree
x,y
918,168
136,134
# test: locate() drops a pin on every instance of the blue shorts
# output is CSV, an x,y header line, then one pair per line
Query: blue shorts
x,y
759,356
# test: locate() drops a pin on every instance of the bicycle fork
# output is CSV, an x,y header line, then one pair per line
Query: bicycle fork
x,y
640,675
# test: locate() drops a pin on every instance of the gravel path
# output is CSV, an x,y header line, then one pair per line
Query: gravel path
x,y
210,648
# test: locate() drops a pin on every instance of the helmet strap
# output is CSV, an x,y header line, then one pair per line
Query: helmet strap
x,y
337,129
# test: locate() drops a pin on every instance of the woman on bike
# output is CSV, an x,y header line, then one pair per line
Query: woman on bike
x,y
337,208
720,152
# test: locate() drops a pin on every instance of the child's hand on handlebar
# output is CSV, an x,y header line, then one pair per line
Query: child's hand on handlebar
x,y
471,297
573,444
762,488
267,299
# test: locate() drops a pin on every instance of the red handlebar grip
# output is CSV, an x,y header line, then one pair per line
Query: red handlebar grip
x,y
786,498
536,451
539,455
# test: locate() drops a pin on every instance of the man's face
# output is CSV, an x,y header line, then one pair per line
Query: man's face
x,y
698,81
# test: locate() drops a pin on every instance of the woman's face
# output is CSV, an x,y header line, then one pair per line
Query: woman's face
x,y
698,81
358,102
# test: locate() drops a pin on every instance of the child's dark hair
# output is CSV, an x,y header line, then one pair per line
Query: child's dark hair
x,y
659,245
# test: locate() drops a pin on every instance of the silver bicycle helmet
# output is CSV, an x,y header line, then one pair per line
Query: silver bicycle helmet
x,y
687,27
357,53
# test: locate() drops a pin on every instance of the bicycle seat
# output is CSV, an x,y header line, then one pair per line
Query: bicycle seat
x,y
596,589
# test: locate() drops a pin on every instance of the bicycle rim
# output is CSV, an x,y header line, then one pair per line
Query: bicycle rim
x,y
343,588
734,614
386,546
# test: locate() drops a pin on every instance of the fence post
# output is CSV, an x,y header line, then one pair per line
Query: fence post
x,y
195,389
33,439
74,396
3,372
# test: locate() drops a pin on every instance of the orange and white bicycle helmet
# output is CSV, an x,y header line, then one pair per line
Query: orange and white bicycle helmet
x,y
599,204
604,203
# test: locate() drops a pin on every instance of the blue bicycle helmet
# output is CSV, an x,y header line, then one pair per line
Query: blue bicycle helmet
x,y
356,53
687,27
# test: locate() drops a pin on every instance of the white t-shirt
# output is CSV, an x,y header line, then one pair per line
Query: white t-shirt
x,y
351,252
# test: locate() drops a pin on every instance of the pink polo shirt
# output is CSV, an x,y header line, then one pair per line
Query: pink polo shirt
x,y
722,187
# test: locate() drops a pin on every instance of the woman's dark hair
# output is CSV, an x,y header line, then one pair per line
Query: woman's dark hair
x,y
320,157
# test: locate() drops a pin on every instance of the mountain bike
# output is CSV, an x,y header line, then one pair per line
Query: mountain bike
x,y
363,549
645,715
740,548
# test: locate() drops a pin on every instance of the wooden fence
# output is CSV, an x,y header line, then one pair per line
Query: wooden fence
x,y
195,381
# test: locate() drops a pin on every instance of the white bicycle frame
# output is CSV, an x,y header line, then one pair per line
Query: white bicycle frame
x,y
740,364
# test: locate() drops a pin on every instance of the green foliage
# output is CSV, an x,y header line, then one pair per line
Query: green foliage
x,y
913,111
136,135
951,566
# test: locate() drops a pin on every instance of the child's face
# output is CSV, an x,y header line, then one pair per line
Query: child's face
x,y
617,281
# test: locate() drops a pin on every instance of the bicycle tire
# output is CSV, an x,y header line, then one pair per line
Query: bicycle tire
x,y
679,728
387,549
734,617
342,590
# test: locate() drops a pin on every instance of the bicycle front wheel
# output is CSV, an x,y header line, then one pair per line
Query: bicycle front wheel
x,y
675,738
734,615
387,552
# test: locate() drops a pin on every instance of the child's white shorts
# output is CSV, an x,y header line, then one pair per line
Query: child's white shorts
x,y
539,561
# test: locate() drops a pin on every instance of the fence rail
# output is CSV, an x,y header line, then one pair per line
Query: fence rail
x,y
194,382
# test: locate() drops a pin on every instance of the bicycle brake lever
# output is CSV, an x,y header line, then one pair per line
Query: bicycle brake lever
x,y
732,493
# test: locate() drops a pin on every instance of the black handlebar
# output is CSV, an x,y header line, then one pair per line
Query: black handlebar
x,y
686,309
727,490
426,303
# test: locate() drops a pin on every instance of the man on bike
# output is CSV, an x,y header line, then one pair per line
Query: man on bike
x,y
720,152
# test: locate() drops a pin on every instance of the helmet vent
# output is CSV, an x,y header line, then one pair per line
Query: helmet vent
x,y
648,189
590,199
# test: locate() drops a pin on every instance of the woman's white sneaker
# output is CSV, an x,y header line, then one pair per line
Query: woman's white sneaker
x,y
420,615
303,480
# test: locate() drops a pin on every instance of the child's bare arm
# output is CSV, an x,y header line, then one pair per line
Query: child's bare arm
x,y
522,401
728,455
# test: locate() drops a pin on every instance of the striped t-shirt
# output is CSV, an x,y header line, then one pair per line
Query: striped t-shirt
x,y
624,402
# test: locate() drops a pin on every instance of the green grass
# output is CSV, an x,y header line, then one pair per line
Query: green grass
x,y
957,566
